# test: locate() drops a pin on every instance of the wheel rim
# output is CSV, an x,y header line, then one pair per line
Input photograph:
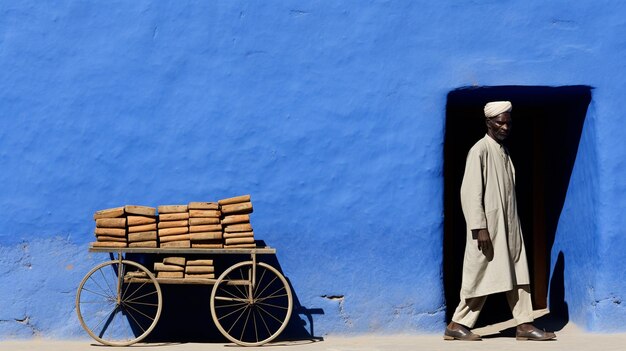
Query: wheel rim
x,y
115,311
251,316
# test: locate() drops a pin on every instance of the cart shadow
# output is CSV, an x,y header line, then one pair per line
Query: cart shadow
x,y
301,325
186,313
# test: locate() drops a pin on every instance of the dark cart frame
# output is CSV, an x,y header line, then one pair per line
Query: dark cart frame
x,y
119,302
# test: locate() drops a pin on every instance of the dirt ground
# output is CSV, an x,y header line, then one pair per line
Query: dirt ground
x,y
569,338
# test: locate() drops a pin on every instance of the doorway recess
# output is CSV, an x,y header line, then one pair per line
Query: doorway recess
x,y
547,128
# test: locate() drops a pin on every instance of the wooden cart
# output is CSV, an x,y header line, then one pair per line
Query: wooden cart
x,y
119,302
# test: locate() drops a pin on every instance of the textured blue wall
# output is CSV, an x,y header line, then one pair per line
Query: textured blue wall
x,y
330,114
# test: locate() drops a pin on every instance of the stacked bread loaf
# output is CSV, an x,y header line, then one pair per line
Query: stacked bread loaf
x,y
141,226
174,226
202,268
181,267
205,229
171,267
225,223
236,222
110,228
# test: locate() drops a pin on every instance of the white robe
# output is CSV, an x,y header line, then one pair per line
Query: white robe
x,y
488,201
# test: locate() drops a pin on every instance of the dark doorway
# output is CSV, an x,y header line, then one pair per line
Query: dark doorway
x,y
547,127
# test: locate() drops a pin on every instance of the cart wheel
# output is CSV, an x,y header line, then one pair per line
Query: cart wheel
x,y
251,309
114,310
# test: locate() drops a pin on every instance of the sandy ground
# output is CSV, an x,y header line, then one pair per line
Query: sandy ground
x,y
569,338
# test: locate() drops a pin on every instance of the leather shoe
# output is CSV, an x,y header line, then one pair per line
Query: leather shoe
x,y
534,334
460,333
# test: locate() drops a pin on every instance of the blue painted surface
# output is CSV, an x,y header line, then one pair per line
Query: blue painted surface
x,y
330,114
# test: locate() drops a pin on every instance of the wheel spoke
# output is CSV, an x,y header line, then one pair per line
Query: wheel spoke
x,y
105,317
138,311
231,305
125,290
233,295
237,320
256,333
136,322
144,295
93,292
258,282
272,295
235,311
222,298
141,303
243,293
106,282
122,322
272,305
129,332
243,330
99,286
134,292
108,318
268,285
269,314
260,299
264,323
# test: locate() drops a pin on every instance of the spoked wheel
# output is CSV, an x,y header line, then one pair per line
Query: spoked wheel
x,y
119,304
251,304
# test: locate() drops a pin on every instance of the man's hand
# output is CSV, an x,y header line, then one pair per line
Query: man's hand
x,y
483,239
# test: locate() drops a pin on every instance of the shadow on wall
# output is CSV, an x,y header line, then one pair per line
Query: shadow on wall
x,y
186,314
559,313
554,321
548,124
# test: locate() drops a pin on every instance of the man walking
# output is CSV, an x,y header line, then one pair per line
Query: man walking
x,y
495,257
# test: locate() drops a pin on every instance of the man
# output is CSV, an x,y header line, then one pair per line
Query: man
x,y
495,258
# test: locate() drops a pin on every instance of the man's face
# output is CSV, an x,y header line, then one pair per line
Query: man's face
x,y
499,127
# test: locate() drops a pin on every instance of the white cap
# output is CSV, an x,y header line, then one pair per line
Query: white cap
x,y
495,108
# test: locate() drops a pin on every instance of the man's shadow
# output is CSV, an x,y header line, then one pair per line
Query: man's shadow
x,y
498,309
559,311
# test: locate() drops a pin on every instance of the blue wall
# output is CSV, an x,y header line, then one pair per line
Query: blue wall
x,y
330,114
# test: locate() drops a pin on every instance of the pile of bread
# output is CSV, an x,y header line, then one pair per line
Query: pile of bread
x,y
221,224
181,267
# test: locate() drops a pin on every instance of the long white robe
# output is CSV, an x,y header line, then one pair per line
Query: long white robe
x,y
488,200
